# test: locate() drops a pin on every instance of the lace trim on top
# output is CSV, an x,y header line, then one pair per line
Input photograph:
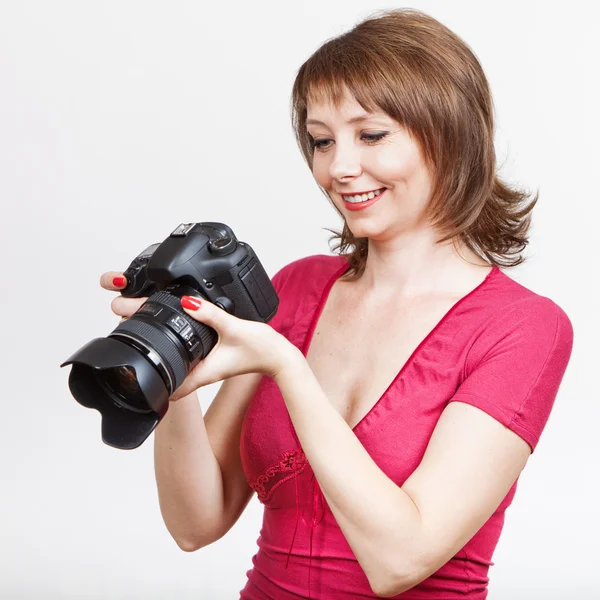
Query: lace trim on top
x,y
292,461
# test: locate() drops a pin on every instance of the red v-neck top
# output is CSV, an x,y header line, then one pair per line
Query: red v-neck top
x,y
501,348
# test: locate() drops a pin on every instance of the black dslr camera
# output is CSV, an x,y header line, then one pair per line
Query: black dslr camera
x,y
130,375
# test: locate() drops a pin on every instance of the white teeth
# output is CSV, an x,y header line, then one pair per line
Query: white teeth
x,y
363,197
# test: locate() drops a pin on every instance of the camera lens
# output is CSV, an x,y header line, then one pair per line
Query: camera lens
x,y
129,375
123,386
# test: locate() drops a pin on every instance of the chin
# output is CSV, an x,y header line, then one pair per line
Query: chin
x,y
377,231
365,232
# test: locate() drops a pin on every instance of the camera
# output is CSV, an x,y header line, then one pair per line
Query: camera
x,y
129,375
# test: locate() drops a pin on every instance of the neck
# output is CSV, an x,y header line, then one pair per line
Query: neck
x,y
413,266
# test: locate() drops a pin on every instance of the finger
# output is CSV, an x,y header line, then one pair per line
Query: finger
x,y
113,280
205,311
125,307
197,378
185,389
191,303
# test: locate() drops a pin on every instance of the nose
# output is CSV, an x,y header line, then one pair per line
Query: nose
x,y
346,162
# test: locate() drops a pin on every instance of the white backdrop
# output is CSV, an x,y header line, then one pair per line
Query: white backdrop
x,y
120,120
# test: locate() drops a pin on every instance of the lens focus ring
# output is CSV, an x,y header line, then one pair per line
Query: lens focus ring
x,y
172,357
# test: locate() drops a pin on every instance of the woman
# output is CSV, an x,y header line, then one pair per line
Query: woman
x,y
408,379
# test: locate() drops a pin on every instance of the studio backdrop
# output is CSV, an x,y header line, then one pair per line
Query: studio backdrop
x,y
121,120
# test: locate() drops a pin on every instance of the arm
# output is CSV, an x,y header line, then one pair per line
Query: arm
x,y
201,483
481,443
202,488
401,535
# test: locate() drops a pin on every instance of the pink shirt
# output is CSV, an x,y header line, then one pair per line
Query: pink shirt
x,y
501,348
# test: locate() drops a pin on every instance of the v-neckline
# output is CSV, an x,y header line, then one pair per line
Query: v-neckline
x,y
321,305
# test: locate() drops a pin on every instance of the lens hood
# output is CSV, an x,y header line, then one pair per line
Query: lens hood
x,y
121,427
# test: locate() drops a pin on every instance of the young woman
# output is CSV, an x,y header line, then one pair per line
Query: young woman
x,y
384,415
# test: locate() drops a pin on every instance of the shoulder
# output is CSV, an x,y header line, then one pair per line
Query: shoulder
x,y
514,301
514,367
308,272
519,317
299,286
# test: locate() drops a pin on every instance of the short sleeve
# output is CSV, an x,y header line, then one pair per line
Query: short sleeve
x,y
515,367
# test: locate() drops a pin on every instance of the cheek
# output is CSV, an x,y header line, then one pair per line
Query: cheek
x,y
392,165
320,171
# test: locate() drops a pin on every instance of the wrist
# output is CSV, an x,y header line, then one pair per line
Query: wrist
x,y
286,357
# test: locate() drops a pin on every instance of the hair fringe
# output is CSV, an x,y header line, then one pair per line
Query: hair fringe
x,y
420,73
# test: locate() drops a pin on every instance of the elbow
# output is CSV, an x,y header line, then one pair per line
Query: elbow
x,y
393,585
191,544
391,588
395,581
188,545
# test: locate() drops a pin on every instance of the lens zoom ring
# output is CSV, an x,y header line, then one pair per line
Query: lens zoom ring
x,y
160,343
168,299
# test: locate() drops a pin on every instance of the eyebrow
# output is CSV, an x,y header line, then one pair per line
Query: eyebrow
x,y
356,119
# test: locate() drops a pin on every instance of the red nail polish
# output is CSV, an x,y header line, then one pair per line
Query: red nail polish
x,y
190,303
119,281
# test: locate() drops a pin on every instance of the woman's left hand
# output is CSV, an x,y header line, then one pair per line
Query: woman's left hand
x,y
243,347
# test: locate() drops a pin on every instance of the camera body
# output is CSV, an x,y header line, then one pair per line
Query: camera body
x,y
130,375
209,261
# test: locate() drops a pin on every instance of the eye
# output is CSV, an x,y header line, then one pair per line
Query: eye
x,y
372,138
369,138
321,144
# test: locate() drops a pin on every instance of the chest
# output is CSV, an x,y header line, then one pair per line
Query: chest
x,y
357,350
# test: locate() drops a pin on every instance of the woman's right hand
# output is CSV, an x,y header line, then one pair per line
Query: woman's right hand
x,y
121,306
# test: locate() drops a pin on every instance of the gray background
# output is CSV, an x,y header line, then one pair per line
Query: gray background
x,y
120,120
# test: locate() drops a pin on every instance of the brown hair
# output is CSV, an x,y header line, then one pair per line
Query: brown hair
x,y
410,66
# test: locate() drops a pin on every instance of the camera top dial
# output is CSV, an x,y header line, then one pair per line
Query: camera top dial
x,y
222,246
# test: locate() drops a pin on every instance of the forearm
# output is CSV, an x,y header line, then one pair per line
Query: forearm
x,y
379,520
188,476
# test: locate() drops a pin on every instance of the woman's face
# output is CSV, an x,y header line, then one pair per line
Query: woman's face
x,y
358,152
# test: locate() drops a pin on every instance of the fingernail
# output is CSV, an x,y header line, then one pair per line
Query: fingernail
x,y
119,281
190,303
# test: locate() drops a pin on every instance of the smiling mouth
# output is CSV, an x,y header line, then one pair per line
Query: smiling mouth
x,y
358,198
